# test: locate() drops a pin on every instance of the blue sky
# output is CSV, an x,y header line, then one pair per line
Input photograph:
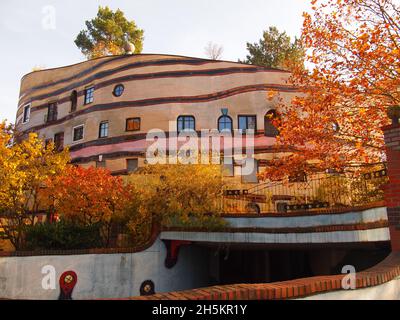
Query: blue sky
x,y
182,27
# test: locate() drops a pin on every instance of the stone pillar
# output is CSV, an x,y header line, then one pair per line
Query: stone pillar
x,y
392,190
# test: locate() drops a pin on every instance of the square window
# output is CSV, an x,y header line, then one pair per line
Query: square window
x,y
78,133
186,123
132,165
89,95
247,123
133,124
101,164
27,113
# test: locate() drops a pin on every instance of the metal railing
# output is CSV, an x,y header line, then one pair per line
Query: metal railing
x,y
321,192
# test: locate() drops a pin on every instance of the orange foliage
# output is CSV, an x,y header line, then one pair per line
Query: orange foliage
x,y
88,196
353,49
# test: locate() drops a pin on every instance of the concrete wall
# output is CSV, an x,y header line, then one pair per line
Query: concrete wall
x,y
106,275
349,219
386,291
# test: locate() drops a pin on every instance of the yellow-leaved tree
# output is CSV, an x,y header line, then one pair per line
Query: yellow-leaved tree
x,y
24,167
175,195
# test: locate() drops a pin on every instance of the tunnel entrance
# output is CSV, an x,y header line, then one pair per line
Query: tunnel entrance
x,y
235,265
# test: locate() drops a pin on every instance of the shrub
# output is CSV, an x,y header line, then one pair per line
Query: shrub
x,y
62,236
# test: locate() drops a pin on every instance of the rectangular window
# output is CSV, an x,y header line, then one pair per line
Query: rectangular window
x,y
228,167
103,129
247,123
101,164
78,133
250,171
89,95
59,141
133,124
186,123
52,112
27,113
47,142
132,165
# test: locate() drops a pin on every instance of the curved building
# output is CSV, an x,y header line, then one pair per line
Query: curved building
x,y
103,108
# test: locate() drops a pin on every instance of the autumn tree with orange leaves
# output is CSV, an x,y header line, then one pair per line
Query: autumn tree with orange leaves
x,y
353,58
88,196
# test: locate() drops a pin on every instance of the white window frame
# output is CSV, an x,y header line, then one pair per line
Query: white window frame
x,y
73,133
29,105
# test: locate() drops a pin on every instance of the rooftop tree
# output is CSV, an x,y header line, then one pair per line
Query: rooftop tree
x,y
107,33
275,50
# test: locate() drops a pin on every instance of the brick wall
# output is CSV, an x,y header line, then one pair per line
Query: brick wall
x,y
392,190
384,272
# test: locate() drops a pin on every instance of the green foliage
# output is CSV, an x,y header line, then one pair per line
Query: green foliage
x,y
209,223
275,50
107,33
62,236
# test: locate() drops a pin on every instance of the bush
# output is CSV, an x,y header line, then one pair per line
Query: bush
x,y
62,236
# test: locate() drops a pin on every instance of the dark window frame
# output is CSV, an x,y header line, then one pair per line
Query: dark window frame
x,y
89,97
83,133
52,109
121,92
74,101
101,129
127,164
57,145
269,129
128,119
184,117
220,118
103,164
247,122
26,115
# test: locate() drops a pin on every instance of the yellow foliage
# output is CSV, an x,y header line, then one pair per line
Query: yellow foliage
x,y
176,194
24,167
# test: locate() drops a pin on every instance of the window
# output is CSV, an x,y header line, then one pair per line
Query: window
x,y
103,129
133,124
78,133
74,100
269,129
52,112
186,123
59,141
225,124
250,177
132,165
228,169
47,142
89,95
247,123
101,164
118,90
27,113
